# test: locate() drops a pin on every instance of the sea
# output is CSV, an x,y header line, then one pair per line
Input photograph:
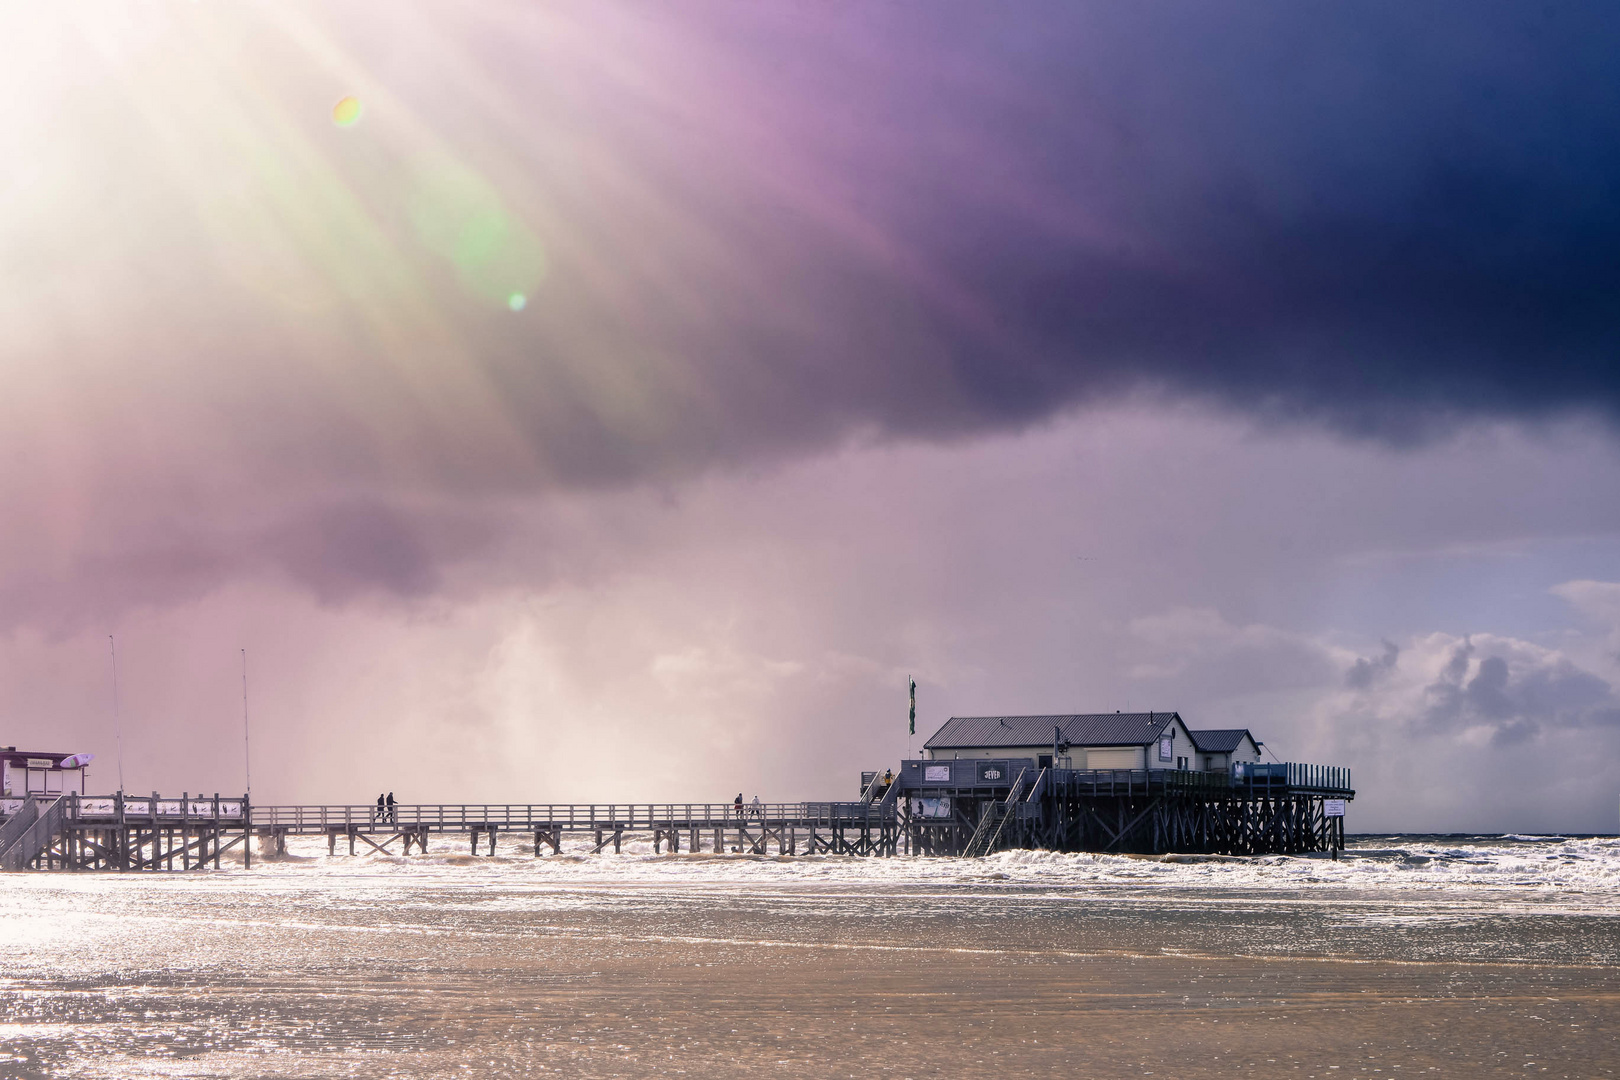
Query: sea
x,y
1432,955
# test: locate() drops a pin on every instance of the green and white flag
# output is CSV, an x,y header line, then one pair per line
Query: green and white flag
x,y
913,704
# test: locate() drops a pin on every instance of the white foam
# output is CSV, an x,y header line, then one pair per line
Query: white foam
x,y
1576,866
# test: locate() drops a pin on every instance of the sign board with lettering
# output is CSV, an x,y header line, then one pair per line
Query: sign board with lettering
x,y
992,772
1333,807
41,762
937,774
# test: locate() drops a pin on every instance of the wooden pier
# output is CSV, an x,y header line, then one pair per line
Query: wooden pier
x,y
155,833
1281,809
74,832
965,808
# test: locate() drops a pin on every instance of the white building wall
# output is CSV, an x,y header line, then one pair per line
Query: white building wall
x,y
1246,751
1114,757
1183,754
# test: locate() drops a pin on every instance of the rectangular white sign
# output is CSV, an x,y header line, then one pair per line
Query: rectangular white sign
x,y
1333,807
937,773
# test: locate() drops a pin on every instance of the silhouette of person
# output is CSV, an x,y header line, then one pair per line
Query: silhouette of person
x,y
737,806
382,811
393,814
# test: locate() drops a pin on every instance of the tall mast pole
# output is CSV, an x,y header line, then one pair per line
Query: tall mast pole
x,y
247,749
118,727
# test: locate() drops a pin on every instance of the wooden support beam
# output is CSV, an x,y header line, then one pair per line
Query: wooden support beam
x,y
381,849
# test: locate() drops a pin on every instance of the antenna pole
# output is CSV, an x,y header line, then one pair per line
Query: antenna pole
x,y
247,749
118,727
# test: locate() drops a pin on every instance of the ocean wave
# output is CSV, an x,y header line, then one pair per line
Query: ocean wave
x,y
1584,865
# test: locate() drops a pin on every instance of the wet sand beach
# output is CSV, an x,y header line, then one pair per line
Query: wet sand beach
x,y
716,967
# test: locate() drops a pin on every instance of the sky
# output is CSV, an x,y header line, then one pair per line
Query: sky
x,y
621,402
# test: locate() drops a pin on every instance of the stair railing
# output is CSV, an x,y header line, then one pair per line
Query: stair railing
x,y
995,819
18,823
33,840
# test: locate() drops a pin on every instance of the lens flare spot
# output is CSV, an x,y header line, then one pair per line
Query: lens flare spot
x,y
346,113
459,215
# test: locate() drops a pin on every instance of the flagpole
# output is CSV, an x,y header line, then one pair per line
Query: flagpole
x,y
911,734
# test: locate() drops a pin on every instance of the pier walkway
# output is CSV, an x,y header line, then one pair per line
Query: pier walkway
x,y
968,807
123,832
835,828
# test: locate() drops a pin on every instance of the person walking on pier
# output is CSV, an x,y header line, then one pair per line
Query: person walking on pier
x,y
382,812
737,806
754,808
393,814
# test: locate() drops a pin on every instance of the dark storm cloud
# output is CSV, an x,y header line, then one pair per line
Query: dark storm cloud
x,y
343,550
1372,214
337,550
944,219
762,229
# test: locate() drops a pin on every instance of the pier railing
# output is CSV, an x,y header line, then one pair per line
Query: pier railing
x,y
569,816
1293,775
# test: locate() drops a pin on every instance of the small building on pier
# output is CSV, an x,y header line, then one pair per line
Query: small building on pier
x,y
1221,748
40,772
1116,740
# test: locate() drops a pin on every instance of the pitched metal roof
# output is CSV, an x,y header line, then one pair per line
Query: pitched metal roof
x,y
1080,729
1219,740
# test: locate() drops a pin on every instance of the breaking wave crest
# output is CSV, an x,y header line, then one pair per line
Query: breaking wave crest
x,y
1404,863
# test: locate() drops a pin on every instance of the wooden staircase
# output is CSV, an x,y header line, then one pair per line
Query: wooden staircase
x,y
994,821
30,832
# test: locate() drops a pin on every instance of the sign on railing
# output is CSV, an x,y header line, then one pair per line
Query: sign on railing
x,y
102,806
